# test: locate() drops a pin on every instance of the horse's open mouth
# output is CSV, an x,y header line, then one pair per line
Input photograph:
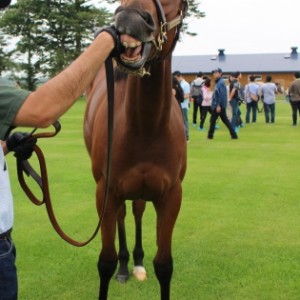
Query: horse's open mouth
x,y
133,49
135,53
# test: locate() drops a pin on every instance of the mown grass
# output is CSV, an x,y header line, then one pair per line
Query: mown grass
x,y
237,235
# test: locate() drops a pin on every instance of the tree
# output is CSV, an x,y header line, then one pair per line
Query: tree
x,y
4,57
21,24
51,33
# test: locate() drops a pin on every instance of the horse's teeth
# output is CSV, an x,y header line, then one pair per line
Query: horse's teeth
x,y
131,45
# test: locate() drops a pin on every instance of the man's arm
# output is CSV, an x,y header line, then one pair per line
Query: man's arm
x,y
55,97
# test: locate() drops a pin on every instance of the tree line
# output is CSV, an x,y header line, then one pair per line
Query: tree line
x,y
39,38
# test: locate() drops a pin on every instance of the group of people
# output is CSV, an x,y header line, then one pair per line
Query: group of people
x,y
204,99
225,100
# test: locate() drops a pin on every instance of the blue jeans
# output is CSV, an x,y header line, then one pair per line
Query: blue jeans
x,y
251,106
235,112
269,112
8,271
186,122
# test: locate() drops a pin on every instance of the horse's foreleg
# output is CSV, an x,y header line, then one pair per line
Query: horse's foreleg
x,y
138,208
123,272
167,210
108,258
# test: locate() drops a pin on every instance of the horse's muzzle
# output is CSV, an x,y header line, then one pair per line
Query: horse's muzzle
x,y
136,28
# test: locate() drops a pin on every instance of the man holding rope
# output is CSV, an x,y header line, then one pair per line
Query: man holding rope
x,y
39,109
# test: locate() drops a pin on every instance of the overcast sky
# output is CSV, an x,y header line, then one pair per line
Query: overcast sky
x,y
244,26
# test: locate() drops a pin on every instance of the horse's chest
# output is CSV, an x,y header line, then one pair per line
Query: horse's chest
x,y
144,180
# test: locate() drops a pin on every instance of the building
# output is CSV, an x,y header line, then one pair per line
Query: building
x,y
281,66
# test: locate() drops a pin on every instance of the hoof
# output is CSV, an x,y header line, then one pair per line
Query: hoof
x,y
139,272
122,278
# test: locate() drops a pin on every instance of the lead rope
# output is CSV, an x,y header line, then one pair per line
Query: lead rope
x,y
42,181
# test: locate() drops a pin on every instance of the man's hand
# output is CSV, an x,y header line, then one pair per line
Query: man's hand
x,y
21,144
115,35
218,109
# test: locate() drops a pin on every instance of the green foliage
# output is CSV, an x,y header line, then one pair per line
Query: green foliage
x,y
236,237
51,34
4,56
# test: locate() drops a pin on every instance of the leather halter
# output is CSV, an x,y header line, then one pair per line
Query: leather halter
x,y
164,27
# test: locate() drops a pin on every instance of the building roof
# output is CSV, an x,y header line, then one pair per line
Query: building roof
x,y
245,63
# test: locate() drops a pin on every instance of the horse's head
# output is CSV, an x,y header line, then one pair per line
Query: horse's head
x,y
149,30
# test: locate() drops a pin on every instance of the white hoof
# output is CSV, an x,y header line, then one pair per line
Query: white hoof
x,y
139,272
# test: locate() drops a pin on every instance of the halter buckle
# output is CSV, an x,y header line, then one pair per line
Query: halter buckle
x,y
162,37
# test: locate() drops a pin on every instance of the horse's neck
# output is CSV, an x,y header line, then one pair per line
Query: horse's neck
x,y
148,100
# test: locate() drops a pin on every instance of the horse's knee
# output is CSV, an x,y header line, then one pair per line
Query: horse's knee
x,y
107,269
163,272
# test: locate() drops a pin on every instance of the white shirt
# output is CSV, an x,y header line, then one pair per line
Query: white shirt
x,y
186,90
268,90
6,200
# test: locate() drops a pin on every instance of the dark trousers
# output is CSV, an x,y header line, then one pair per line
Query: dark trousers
x,y
196,105
234,103
252,106
8,272
204,111
295,108
224,118
269,112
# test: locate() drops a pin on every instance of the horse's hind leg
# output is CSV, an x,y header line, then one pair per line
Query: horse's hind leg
x,y
138,208
123,272
167,210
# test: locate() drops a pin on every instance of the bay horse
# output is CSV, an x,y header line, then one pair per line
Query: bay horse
x,y
149,143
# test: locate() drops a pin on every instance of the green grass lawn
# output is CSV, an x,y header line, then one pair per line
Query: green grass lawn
x,y
237,235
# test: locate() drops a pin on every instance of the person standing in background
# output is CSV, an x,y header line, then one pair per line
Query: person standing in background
x,y
234,99
186,102
206,103
196,86
177,90
269,91
294,97
252,97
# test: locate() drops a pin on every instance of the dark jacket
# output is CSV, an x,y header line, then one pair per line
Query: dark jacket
x,y
219,97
